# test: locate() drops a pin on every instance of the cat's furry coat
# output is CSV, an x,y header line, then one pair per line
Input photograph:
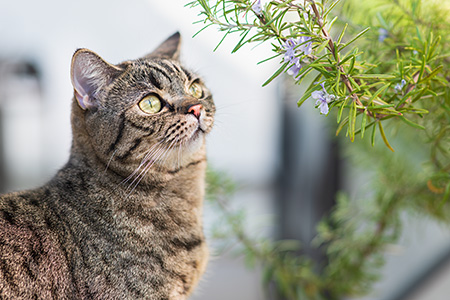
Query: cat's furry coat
x,y
122,219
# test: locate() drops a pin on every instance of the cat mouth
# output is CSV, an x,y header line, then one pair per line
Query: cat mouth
x,y
198,132
188,132
200,129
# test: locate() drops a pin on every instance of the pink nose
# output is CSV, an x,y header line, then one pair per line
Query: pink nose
x,y
195,110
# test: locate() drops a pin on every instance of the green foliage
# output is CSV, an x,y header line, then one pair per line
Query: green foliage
x,y
390,83
368,85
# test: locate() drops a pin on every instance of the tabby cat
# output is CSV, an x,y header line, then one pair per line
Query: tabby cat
x,y
122,219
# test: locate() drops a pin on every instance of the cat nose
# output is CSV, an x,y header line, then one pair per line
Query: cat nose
x,y
195,110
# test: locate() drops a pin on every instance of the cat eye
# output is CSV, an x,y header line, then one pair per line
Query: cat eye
x,y
196,90
150,104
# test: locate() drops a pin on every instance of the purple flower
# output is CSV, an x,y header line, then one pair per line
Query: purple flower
x,y
294,49
382,34
295,68
399,86
257,7
322,99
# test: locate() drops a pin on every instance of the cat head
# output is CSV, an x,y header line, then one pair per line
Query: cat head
x,y
140,113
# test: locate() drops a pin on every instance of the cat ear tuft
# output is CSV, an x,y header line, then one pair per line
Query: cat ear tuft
x,y
170,48
89,74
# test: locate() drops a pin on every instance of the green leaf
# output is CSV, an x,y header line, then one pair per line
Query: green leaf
x,y
383,136
422,68
344,60
363,123
278,72
431,75
302,74
338,80
399,63
411,123
352,120
241,43
202,30
205,6
414,110
341,109
317,65
381,106
372,137
311,88
433,48
355,85
378,92
223,38
385,111
365,127
404,98
355,38
267,59
352,65
330,8
341,125
419,93
341,35
330,24
305,97
374,76
324,72
321,46
419,36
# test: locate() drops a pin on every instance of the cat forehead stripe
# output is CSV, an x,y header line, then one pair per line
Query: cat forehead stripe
x,y
161,71
155,81
187,73
169,66
182,71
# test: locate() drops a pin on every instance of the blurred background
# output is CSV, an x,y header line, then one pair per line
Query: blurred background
x,y
279,155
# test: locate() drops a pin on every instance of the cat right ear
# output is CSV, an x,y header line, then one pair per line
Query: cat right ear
x,y
170,48
89,74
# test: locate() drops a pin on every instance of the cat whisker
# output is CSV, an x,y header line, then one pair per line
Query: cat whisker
x,y
179,160
109,162
169,149
148,160
161,152
154,149
150,155
138,178
150,152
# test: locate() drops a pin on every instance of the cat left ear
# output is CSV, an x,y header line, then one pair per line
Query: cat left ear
x,y
170,48
89,74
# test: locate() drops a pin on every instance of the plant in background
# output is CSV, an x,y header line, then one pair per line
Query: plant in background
x,y
393,76
364,97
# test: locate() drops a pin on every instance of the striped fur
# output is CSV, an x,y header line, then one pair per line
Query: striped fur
x,y
122,219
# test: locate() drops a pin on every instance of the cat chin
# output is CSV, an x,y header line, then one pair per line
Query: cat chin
x,y
186,152
194,144
205,124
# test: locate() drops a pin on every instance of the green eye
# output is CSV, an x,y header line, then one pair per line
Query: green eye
x,y
196,90
150,104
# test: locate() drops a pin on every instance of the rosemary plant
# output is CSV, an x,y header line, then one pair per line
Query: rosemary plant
x,y
376,65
